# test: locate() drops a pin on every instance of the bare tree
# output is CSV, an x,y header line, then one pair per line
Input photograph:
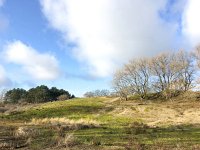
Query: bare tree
x,y
2,95
105,92
139,75
197,55
121,84
89,94
165,71
168,73
133,78
185,62
97,93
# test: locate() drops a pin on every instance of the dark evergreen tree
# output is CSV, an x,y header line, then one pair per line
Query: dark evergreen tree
x,y
15,95
38,94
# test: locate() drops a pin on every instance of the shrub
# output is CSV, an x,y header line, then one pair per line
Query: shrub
x,y
63,97
24,132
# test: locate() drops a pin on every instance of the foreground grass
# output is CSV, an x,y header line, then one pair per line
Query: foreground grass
x,y
105,124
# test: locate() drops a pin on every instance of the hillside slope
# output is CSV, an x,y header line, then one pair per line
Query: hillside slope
x,y
103,123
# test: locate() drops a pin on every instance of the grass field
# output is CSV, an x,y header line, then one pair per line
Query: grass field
x,y
103,123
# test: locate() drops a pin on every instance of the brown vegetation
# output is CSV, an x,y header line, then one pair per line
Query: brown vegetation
x,y
66,123
167,73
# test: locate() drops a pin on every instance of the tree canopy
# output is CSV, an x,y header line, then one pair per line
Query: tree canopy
x,y
36,95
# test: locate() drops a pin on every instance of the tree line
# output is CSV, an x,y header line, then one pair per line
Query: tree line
x,y
166,74
38,94
97,93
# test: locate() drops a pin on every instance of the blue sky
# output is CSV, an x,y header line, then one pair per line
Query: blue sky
x,y
78,44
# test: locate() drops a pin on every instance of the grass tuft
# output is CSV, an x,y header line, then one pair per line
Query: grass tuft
x,y
71,124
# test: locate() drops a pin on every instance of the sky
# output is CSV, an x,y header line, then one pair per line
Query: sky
x,y
78,44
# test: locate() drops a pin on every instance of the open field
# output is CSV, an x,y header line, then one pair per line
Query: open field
x,y
103,123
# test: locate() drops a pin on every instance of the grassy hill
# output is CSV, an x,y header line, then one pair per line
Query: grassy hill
x,y
102,123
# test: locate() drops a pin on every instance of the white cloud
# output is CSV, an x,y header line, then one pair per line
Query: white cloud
x,y
191,21
37,65
109,32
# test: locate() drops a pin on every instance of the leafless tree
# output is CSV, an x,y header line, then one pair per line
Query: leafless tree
x,y
173,72
186,65
197,55
105,92
133,78
121,84
89,94
97,93
2,94
139,75
168,73
165,70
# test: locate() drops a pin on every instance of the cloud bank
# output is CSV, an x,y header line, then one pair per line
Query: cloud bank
x,y
39,66
110,32
191,22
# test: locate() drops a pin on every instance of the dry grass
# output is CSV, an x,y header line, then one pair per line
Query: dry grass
x,y
66,141
14,108
16,138
71,124
24,132
132,124
180,110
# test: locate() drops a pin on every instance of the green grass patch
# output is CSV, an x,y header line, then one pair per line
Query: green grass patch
x,y
115,130
73,109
